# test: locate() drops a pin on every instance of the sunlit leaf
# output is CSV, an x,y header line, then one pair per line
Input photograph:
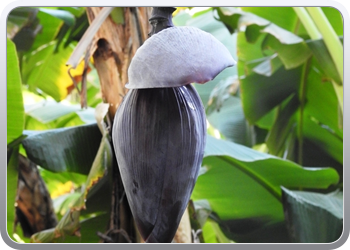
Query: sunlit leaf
x,y
15,110
291,49
65,16
291,55
48,111
46,70
236,19
285,17
55,180
87,115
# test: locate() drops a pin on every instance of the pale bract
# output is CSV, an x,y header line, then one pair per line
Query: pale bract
x,y
178,56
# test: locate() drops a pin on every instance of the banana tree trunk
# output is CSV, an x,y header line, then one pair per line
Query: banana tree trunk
x,y
117,42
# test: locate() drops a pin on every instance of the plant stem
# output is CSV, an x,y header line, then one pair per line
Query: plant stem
x,y
339,92
308,23
302,97
318,27
329,36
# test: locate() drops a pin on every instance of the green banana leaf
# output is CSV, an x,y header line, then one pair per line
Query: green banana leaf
x,y
66,149
63,15
15,110
230,121
71,222
322,55
241,183
283,126
313,217
51,27
265,53
260,94
290,48
48,111
45,69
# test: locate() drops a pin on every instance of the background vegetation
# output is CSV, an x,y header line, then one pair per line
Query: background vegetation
x,y
273,165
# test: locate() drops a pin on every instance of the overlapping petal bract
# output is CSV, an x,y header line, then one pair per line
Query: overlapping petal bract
x,y
159,138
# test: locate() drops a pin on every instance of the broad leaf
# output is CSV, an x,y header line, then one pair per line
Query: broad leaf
x,y
48,111
240,183
322,101
291,55
313,217
321,53
15,111
285,17
71,223
66,149
63,15
291,49
283,126
62,183
237,19
230,121
323,138
45,69
261,94
50,28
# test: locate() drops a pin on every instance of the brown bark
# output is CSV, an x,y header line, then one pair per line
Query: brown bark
x,y
116,45
34,208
